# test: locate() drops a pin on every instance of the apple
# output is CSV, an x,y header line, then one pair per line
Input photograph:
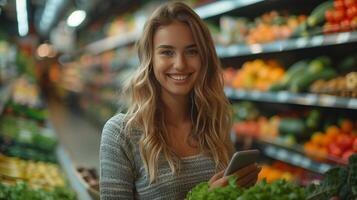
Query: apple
x,y
329,16
349,3
339,15
351,12
334,150
347,154
354,146
339,4
344,142
345,25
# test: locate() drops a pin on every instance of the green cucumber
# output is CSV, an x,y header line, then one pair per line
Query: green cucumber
x,y
317,16
301,83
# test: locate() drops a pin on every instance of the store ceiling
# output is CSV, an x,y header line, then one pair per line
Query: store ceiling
x,y
44,15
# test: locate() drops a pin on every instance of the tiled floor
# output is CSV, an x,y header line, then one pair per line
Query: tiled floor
x,y
79,137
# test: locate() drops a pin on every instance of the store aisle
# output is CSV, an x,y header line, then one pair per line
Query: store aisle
x,y
80,137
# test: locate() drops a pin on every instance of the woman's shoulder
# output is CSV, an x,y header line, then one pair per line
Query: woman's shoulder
x,y
116,126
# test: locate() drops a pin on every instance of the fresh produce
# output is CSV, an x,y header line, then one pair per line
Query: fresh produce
x,y
258,74
339,182
296,69
36,174
341,17
303,73
27,132
345,86
336,142
278,190
21,191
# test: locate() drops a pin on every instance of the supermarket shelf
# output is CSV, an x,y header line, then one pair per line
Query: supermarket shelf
x,y
112,43
205,11
289,44
292,98
5,93
222,7
292,156
69,169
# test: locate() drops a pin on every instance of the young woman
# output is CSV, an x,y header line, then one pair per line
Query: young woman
x,y
176,132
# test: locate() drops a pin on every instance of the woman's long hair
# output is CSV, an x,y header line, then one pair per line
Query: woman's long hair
x,y
210,111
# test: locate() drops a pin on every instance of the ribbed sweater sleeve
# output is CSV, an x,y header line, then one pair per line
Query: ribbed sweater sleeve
x,y
116,167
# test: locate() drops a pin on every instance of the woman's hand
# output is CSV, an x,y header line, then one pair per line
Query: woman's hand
x,y
246,177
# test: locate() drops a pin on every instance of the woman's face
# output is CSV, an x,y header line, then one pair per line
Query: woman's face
x,y
176,60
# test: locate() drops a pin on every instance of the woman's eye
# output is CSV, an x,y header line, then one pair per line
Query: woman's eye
x,y
192,52
167,53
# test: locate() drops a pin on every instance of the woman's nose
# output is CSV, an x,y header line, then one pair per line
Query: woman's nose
x,y
180,62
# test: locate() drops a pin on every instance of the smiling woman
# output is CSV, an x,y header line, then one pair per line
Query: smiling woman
x,y
176,131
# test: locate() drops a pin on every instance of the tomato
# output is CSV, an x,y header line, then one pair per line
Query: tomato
x,y
344,141
345,25
334,150
339,4
355,145
338,15
347,154
351,12
329,16
348,3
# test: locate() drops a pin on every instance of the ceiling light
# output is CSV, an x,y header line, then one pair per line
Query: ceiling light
x,y
76,18
21,12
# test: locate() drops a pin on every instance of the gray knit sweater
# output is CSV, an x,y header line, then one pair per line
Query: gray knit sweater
x,y
123,176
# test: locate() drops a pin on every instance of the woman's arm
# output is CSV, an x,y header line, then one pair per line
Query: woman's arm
x,y
116,169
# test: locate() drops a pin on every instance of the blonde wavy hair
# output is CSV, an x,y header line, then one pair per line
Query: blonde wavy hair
x,y
210,111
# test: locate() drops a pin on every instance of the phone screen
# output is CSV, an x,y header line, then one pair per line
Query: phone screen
x,y
241,159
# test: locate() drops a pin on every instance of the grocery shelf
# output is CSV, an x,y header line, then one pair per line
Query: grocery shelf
x,y
69,170
5,92
294,156
222,7
292,98
205,11
288,44
112,43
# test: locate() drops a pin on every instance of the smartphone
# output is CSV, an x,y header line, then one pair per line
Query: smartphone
x,y
241,159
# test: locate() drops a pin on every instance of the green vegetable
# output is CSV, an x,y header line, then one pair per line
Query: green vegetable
x,y
21,191
301,83
292,126
317,16
279,190
295,70
339,181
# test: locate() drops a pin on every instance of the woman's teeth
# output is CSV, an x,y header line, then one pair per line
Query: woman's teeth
x,y
179,77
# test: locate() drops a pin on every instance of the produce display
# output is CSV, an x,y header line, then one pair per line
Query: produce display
x,y
36,174
338,183
279,190
341,17
257,74
345,86
321,138
21,191
269,27
339,142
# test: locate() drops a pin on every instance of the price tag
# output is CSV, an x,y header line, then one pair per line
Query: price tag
x,y
283,96
343,37
352,103
240,93
256,95
283,154
256,48
228,91
317,40
306,163
328,100
311,99
324,167
301,42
